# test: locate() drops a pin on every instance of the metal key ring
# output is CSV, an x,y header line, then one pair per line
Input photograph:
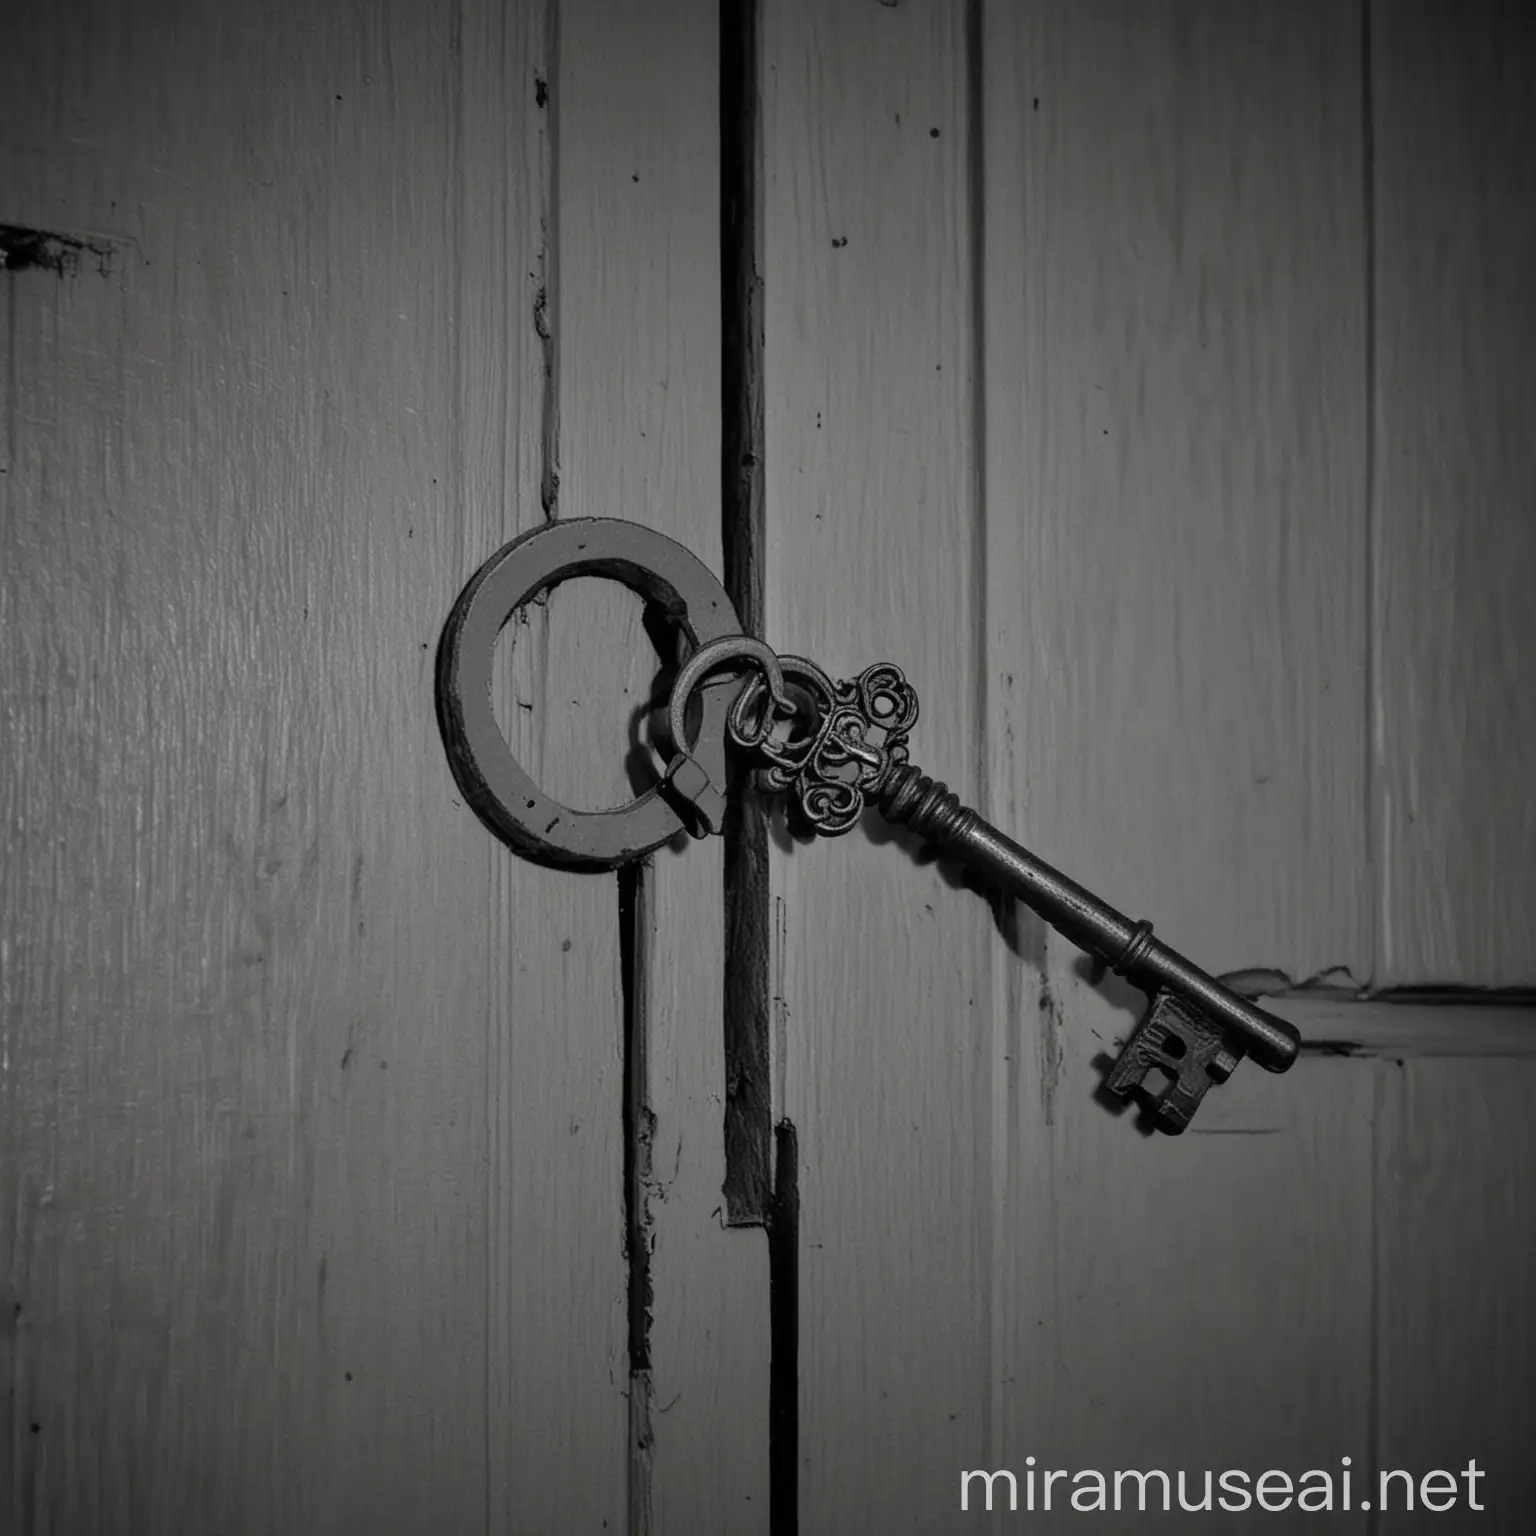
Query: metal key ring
x,y
506,799
736,648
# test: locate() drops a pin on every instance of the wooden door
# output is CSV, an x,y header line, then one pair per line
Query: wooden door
x,y
1148,381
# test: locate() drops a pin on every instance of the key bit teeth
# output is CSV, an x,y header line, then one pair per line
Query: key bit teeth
x,y
692,787
1188,1049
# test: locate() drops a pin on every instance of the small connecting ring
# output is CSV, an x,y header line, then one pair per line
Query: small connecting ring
x,y
715,654
689,783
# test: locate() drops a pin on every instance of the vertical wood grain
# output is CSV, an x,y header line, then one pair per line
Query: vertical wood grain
x,y
312,1148
1190,1303
640,436
880,971
245,989
1454,514
1173,321
1175,329
556,1425
1456,1273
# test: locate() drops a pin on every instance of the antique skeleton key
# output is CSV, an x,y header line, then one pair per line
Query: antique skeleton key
x,y
854,753
834,748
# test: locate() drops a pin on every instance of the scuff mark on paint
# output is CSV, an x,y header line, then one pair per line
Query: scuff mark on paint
x,y
23,249
1049,1050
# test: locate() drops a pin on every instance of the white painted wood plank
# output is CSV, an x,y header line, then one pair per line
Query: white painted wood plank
x,y
1194,1302
880,969
1174,489
1456,1272
1454,535
639,310
556,1427
246,987
288,1010
1174,321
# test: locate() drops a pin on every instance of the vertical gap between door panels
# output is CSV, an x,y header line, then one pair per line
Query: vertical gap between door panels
x,y
639,1127
991,1143
1385,1081
784,1332
546,301
748,1054
976,233
530,39
761,1180
1376,936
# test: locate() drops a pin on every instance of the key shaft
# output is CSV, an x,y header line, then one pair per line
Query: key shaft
x,y
907,796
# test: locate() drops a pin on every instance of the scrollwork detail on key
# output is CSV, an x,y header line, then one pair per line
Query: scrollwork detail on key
x,y
859,735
